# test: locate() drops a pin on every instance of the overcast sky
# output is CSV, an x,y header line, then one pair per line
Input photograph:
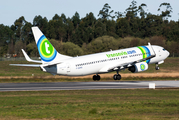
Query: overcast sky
x,y
10,10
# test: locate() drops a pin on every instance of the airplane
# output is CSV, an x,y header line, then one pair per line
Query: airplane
x,y
135,59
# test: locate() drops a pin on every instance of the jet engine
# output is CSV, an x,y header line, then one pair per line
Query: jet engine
x,y
138,67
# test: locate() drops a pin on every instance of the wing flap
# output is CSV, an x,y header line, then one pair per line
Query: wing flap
x,y
115,66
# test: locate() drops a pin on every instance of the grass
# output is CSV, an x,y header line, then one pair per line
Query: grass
x,y
91,104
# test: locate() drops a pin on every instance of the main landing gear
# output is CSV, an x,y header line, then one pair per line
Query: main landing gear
x,y
96,77
157,67
117,76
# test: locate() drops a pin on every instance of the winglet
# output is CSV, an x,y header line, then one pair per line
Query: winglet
x,y
152,52
28,58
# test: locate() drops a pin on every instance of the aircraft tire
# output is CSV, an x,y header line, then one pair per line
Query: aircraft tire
x,y
157,67
117,77
96,77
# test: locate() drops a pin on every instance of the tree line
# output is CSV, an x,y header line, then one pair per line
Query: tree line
x,y
111,30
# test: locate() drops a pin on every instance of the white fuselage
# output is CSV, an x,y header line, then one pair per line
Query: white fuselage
x,y
102,62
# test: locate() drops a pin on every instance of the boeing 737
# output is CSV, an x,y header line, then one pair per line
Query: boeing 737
x,y
135,59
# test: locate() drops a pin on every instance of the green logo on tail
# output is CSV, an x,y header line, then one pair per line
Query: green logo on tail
x,y
46,50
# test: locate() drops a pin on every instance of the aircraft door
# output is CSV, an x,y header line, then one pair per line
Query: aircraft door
x,y
68,68
159,52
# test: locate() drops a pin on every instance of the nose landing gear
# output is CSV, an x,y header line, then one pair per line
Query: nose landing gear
x,y
157,67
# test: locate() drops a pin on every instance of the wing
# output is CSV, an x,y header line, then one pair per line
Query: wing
x,y
115,66
125,64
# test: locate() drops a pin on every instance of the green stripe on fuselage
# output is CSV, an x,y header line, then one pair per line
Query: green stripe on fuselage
x,y
142,52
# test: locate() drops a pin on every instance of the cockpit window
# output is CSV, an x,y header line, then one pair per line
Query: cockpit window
x,y
163,49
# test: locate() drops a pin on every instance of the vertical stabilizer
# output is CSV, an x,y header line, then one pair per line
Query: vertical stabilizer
x,y
47,52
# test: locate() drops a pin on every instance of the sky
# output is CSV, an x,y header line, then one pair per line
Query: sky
x,y
11,10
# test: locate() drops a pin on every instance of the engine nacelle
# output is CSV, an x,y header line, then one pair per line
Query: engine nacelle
x,y
138,67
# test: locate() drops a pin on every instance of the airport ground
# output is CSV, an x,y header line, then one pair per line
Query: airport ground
x,y
89,104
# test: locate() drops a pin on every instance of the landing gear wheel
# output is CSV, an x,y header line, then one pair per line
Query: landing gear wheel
x,y
117,77
96,77
157,67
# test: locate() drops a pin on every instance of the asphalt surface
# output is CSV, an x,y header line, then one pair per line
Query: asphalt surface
x,y
86,85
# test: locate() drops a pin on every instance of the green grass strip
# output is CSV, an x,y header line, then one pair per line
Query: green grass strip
x,y
139,104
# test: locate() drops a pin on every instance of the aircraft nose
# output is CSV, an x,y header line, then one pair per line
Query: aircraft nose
x,y
168,53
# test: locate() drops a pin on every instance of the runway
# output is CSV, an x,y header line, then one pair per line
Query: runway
x,y
86,85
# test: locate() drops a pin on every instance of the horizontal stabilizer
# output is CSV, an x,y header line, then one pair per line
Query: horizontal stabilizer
x,y
28,58
25,65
